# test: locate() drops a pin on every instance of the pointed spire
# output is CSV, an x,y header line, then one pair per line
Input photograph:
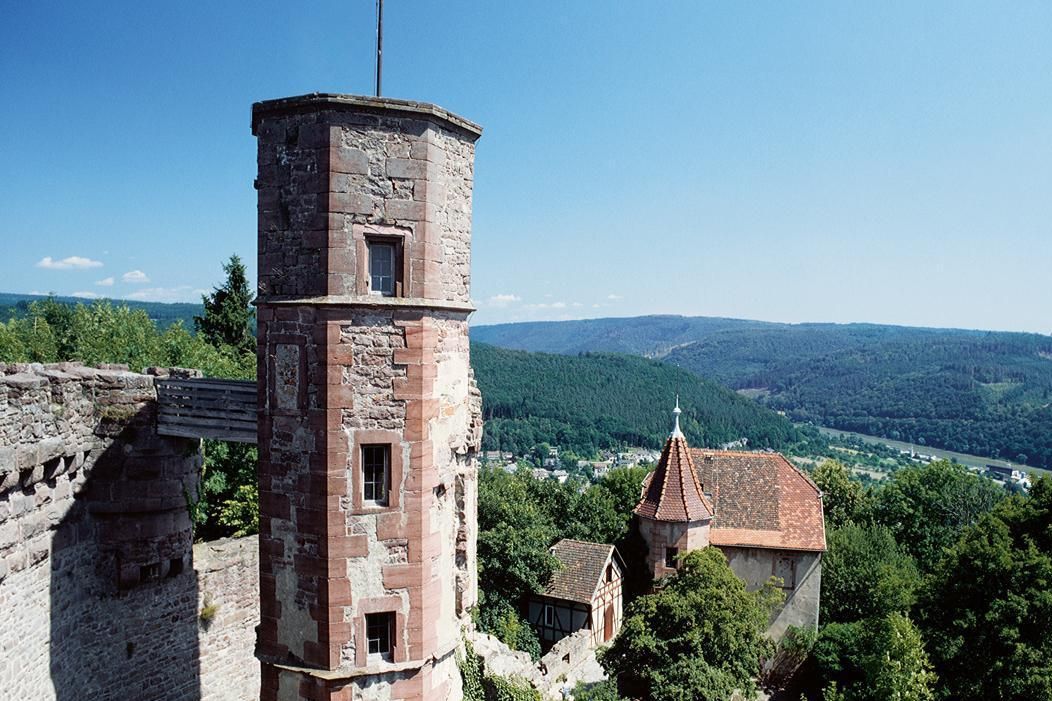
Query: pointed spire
x,y
676,433
673,492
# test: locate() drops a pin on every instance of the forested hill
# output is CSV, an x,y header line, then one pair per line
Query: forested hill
x,y
641,335
602,400
982,393
979,392
164,314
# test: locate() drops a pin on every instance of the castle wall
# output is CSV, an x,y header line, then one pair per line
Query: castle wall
x,y
801,575
98,594
228,584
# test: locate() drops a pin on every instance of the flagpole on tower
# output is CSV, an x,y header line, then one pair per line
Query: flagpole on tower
x,y
379,43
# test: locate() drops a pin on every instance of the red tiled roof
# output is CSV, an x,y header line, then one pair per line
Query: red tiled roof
x,y
761,500
583,567
673,493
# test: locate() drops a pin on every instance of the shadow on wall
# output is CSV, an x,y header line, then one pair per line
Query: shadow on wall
x,y
123,592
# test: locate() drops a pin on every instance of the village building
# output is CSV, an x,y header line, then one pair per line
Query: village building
x,y
761,511
584,593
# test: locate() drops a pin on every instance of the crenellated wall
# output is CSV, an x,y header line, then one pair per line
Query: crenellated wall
x,y
98,591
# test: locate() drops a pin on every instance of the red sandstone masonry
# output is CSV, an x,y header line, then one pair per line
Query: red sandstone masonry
x,y
340,369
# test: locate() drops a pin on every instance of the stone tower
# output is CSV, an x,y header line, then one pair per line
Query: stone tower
x,y
674,514
369,417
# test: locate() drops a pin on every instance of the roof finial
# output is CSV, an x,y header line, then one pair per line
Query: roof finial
x,y
676,433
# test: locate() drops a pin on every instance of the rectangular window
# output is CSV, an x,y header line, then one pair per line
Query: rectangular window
x,y
670,557
376,473
549,615
379,634
382,266
785,570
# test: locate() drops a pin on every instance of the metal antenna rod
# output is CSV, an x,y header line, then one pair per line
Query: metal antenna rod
x,y
379,44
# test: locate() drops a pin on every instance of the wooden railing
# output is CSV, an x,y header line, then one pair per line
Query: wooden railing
x,y
200,408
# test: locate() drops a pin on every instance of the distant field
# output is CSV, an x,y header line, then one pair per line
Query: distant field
x,y
962,458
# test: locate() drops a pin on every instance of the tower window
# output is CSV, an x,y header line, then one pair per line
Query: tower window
x,y
670,557
379,634
382,268
376,473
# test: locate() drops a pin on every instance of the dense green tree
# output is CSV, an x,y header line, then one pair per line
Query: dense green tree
x,y
12,346
107,333
515,533
843,498
599,691
625,485
927,507
874,660
228,314
986,609
699,638
865,574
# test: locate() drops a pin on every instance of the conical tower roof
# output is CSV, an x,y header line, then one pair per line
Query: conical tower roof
x,y
673,492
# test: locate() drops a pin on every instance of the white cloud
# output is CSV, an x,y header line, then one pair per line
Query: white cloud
x,y
136,277
182,293
69,263
85,295
576,304
105,282
545,305
595,306
613,296
503,300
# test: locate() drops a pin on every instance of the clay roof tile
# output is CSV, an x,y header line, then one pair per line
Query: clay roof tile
x,y
674,492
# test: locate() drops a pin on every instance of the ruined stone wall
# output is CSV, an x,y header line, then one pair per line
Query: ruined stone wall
x,y
97,589
228,602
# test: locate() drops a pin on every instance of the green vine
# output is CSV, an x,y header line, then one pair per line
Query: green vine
x,y
479,686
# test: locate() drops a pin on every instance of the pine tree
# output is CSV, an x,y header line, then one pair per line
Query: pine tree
x,y
227,320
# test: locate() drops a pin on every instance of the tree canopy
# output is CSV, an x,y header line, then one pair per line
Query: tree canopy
x,y
699,638
987,608
927,507
228,313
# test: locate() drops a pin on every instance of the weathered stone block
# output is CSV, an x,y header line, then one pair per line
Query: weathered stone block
x,y
348,160
406,168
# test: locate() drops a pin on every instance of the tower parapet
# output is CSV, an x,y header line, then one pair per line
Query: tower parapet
x,y
369,418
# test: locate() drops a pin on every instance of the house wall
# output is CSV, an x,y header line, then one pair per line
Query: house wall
x,y
569,618
608,593
757,565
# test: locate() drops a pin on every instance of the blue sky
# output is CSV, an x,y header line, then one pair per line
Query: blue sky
x,y
884,162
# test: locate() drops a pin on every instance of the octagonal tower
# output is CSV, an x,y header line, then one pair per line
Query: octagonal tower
x,y
369,418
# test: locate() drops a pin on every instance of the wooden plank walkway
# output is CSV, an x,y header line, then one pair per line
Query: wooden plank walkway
x,y
203,408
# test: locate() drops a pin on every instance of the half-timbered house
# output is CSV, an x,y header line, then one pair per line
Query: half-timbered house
x,y
585,592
